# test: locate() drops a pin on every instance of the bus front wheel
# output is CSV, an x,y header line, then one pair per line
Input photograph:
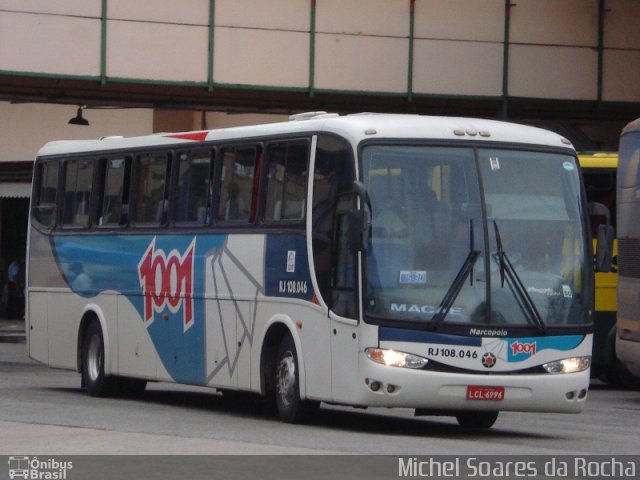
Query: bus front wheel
x,y
291,408
471,419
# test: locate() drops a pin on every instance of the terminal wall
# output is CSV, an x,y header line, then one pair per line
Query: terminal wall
x,y
541,49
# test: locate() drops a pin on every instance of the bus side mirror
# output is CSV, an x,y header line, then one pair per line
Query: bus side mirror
x,y
597,209
604,236
359,223
604,248
357,230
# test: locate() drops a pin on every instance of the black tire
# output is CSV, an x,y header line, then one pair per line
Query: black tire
x,y
476,419
94,379
287,383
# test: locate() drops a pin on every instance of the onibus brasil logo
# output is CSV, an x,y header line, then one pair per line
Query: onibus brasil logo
x,y
167,282
36,469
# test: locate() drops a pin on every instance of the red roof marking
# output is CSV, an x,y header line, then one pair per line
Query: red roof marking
x,y
195,136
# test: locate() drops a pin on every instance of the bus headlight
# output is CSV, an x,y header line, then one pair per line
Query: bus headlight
x,y
393,358
568,365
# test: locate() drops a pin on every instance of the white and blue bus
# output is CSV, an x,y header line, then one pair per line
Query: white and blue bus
x,y
628,211
439,264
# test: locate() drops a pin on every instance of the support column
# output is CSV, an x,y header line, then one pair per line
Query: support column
x,y
504,110
412,24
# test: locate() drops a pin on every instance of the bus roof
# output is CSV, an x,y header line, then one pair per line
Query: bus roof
x,y
355,127
598,159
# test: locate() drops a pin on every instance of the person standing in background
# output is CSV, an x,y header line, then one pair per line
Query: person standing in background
x,y
15,297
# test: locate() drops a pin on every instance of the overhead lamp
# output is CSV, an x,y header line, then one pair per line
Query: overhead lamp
x,y
79,119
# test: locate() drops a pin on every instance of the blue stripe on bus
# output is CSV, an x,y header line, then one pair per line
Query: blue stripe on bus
x,y
110,263
92,264
521,349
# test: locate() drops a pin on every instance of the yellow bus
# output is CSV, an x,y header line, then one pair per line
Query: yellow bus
x,y
599,175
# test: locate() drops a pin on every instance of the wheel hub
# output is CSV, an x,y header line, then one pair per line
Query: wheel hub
x,y
286,378
94,360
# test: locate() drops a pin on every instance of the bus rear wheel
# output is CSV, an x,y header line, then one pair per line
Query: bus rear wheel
x,y
93,377
471,419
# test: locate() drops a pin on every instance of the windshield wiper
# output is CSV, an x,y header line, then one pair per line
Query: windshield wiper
x,y
508,271
456,286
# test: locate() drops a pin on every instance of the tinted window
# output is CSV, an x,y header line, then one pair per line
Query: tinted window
x,y
191,198
333,175
286,181
238,189
114,203
77,193
150,187
44,210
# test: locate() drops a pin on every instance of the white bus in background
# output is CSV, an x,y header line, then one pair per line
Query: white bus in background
x,y
628,203
438,264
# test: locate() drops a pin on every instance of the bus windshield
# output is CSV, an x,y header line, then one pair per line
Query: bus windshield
x,y
475,237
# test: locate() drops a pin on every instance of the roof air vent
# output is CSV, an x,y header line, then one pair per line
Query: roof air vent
x,y
305,116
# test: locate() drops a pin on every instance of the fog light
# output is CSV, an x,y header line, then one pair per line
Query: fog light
x,y
583,394
391,388
375,386
570,395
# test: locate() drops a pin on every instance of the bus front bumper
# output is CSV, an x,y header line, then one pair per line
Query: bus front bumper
x,y
386,386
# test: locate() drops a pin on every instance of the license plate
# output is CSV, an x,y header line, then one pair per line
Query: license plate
x,y
477,392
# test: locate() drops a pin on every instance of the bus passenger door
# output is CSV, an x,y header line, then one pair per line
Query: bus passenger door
x,y
344,308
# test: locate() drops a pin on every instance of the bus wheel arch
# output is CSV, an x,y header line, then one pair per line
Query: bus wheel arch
x,y
272,339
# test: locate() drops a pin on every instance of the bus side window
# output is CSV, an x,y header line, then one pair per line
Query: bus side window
x,y
150,187
333,176
115,191
44,203
287,165
238,187
191,199
76,202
